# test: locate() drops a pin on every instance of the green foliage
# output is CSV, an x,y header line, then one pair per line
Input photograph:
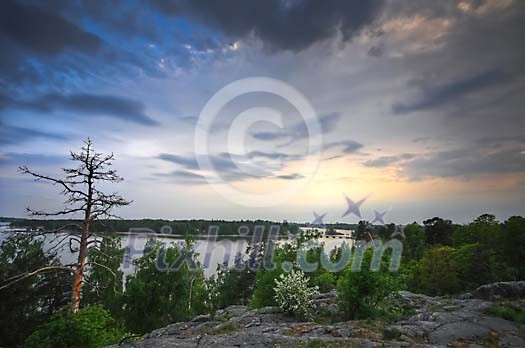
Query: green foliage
x,y
438,231
91,327
31,301
364,231
360,294
484,230
325,281
414,243
178,227
514,245
231,286
263,294
105,279
475,266
155,298
437,273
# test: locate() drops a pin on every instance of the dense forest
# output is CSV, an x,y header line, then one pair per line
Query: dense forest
x,y
177,227
438,258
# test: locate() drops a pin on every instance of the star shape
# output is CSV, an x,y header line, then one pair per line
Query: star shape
x,y
353,207
318,219
399,231
379,217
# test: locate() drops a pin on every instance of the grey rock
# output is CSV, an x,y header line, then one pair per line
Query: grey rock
x,y
453,331
501,290
437,322
511,341
230,311
201,318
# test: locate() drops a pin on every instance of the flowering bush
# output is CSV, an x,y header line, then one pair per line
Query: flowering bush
x,y
293,294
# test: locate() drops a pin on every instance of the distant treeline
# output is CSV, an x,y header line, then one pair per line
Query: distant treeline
x,y
179,227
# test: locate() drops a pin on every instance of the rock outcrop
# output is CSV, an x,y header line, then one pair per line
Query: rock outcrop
x,y
430,322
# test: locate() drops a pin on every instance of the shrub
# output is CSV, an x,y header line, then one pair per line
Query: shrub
x,y
360,294
293,294
326,281
438,272
91,327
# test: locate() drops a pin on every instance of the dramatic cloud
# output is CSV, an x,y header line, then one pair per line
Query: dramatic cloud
x,y
467,162
86,104
437,96
41,31
227,168
288,25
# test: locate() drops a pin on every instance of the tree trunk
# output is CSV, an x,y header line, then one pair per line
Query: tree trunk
x,y
79,270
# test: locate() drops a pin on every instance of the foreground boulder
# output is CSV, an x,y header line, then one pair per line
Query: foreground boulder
x,y
429,322
501,290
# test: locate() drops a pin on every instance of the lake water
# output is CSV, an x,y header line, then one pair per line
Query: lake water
x,y
209,253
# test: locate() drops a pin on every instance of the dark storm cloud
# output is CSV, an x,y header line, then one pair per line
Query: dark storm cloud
x,y
86,104
41,31
31,38
489,155
437,96
467,162
289,25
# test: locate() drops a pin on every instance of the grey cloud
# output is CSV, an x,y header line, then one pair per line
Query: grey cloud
x,y
273,155
385,161
40,31
298,131
376,51
87,104
436,96
288,25
15,135
18,159
222,163
466,162
227,169
293,176
346,146
421,139
183,176
189,162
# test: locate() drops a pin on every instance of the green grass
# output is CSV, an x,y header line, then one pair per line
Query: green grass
x,y
508,312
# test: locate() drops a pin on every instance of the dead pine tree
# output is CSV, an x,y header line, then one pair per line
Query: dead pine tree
x,y
84,197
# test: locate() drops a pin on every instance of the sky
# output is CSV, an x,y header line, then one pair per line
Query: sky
x,y
418,105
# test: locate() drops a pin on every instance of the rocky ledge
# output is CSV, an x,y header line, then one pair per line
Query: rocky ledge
x,y
431,322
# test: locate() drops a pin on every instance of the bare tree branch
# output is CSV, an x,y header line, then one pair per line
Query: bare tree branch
x,y
20,277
